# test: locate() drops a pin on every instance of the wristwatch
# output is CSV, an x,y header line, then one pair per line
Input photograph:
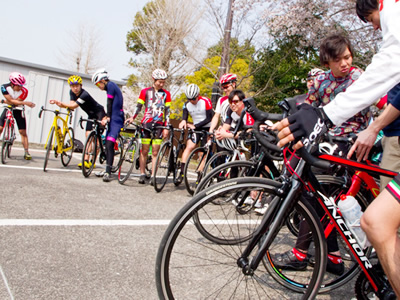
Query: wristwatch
x,y
2,101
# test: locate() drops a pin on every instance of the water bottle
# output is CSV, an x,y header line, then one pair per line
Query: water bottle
x,y
351,212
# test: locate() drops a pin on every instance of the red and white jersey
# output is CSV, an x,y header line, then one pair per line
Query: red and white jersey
x,y
198,111
7,89
232,119
222,107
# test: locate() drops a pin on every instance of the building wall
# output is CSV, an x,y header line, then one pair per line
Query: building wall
x,y
43,84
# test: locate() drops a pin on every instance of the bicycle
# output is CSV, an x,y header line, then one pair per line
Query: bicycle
x,y
195,167
60,137
168,160
130,161
8,134
233,270
95,145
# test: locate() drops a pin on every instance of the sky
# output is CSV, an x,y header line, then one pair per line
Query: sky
x,y
34,31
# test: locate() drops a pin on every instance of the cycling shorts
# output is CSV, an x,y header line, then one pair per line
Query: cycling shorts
x,y
196,137
19,116
146,135
393,187
114,127
99,116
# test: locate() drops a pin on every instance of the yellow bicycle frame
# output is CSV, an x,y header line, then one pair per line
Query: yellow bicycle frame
x,y
58,134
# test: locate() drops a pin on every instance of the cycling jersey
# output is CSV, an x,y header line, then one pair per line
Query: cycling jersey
x,y
157,105
87,103
7,89
201,112
19,115
115,110
380,76
325,89
222,107
232,118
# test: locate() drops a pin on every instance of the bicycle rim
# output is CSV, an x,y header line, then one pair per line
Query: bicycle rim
x,y
118,154
131,155
48,148
162,167
216,160
68,147
190,266
194,167
333,186
89,154
4,142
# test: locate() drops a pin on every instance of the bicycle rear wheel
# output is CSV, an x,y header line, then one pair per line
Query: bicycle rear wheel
x,y
118,154
48,148
89,154
194,167
333,187
68,147
129,159
162,167
186,259
216,160
5,142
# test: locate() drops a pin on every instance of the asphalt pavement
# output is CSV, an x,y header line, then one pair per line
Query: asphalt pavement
x,y
64,236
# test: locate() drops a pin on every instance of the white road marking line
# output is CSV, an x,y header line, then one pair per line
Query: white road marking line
x,y
39,168
6,283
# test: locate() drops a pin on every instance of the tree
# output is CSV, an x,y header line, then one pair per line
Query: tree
x,y
82,52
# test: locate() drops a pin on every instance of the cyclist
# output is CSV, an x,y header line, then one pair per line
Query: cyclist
x,y
157,102
80,97
337,54
114,117
201,111
312,75
15,94
228,84
381,220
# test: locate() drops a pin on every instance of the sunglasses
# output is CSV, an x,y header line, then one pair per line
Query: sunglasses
x,y
234,101
226,85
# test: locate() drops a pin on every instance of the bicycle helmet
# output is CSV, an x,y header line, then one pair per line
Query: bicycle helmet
x,y
192,91
314,72
227,143
17,79
228,78
159,74
99,75
74,79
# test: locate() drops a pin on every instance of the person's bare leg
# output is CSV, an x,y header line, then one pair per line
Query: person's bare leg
x,y
381,222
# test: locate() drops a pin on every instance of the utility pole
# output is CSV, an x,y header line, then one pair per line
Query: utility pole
x,y
224,65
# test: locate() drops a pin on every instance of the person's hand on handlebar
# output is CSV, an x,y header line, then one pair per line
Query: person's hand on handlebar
x,y
303,126
105,120
129,120
365,140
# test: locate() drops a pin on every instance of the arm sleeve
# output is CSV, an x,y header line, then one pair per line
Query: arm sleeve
x,y
109,107
138,108
185,113
379,77
209,115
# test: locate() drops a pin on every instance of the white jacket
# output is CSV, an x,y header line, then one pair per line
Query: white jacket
x,y
379,77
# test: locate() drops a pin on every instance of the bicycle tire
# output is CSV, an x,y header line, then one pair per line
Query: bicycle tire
x,y
192,174
48,148
131,155
216,160
162,167
333,186
177,166
211,270
5,141
68,147
118,154
90,151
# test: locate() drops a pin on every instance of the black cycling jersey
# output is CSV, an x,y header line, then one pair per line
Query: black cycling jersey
x,y
87,103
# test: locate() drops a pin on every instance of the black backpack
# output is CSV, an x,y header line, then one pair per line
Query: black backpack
x,y
78,146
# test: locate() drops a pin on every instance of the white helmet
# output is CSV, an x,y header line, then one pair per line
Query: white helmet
x,y
99,75
159,74
314,72
227,143
192,91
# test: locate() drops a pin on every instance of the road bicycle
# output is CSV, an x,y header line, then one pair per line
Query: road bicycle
x,y
60,137
132,148
95,145
168,159
233,270
8,134
195,167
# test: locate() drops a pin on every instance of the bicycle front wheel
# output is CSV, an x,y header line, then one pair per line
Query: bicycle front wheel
x,y
89,154
194,168
216,160
68,147
128,162
189,266
162,167
5,149
48,148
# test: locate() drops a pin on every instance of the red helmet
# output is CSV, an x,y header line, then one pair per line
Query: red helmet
x,y
17,78
227,78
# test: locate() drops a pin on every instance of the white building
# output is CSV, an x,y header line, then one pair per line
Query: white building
x,y
46,83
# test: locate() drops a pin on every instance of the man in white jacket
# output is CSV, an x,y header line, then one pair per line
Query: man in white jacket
x,y
381,220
